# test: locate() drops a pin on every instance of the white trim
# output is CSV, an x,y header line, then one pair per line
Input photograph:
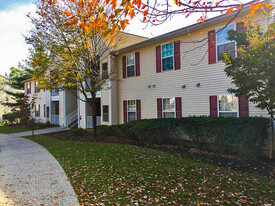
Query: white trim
x,y
64,108
173,43
216,36
84,118
133,53
110,95
78,107
162,105
218,105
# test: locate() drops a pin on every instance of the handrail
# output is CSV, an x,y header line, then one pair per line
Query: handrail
x,y
70,118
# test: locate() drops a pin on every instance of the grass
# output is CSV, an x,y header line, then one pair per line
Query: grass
x,y
106,174
8,130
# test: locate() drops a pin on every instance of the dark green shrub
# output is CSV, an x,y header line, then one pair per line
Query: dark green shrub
x,y
9,118
78,132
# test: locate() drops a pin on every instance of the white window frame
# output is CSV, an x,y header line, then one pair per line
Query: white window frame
x,y
217,57
131,111
170,111
218,104
28,84
131,65
167,57
36,111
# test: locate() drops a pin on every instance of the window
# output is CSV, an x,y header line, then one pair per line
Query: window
x,y
167,56
105,113
28,85
105,70
228,106
223,44
36,86
131,110
36,110
168,107
130,65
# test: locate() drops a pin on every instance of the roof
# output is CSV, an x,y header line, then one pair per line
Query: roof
x,y
183,30
27,80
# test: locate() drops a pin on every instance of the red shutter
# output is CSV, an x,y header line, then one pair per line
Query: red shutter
x,y
159,107
158,59
177,54
30,87
125,110
39,110
34,87
138,109
240,28
35,110
124,66
213,106
178,107
212,47
44,110
243,106
137,62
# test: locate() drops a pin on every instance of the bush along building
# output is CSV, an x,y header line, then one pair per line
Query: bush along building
x,y
178,74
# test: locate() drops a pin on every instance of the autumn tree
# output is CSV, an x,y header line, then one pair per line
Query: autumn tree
x,y
69,48
253,70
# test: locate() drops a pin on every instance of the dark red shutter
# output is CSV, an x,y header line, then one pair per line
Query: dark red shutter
x,y
98,109
177,54
178,107
240,28
243,106
30,87
125,110
44,110
159,107
212,47
34,87
124,66
158,59
213,106
137,62
138,109
35,110
57,108
39,110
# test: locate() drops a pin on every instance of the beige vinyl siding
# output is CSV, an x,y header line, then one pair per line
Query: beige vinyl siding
x,y
194,69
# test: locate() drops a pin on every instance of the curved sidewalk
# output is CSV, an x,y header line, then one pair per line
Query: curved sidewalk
x,y
30,175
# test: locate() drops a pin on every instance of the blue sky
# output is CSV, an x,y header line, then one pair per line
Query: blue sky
x,y
8,4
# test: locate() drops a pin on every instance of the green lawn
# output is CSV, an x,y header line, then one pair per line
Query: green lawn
x,y
103,173
8,130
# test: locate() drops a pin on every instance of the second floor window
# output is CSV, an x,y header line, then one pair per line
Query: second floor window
x,y
28,87
130,65
167,56
168,107
223,44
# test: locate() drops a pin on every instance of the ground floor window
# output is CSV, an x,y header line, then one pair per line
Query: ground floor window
x,y
228,106
168,107
105,113
131,110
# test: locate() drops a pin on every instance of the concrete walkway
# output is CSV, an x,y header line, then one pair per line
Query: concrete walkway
x,y
40,131
30,175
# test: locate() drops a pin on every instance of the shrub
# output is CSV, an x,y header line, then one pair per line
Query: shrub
x,y
9,118
78,132
243,136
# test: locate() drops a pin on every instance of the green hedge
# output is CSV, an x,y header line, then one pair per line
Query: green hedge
x,y
243,136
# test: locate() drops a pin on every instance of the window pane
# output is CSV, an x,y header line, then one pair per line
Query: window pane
x,y
130,71
131,116
131,105
227,103
168,114
130,59
168,105
226,48
222,35
167,63
167,50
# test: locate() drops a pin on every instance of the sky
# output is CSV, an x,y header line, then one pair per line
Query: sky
x,y
14,24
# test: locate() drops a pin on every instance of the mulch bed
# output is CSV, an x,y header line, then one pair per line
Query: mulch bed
x,y
263,167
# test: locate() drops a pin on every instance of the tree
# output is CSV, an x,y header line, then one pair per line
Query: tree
x,y
68,57
153,12
253,70
15,89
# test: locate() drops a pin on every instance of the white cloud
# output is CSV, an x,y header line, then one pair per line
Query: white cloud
x,y
13,24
